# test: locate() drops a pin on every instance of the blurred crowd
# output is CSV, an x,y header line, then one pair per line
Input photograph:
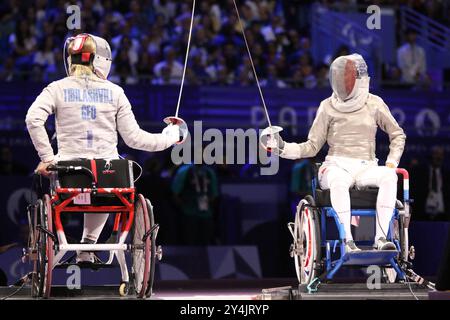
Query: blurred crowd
x,y
149,39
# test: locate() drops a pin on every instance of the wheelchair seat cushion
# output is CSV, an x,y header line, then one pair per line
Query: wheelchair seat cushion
x,y
360,199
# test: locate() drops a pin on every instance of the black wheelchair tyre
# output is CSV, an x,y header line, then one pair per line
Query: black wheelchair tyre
x,y
141,250
43,263
39,245
151,279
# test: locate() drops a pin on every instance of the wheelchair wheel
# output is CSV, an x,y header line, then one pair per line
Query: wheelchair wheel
x,y
306,247
43,246
141,249
38,245
152,237
401,234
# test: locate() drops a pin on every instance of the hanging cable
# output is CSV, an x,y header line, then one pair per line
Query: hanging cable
x,y
253,66
185,59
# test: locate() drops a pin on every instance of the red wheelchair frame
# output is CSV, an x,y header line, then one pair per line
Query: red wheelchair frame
x,y
48,249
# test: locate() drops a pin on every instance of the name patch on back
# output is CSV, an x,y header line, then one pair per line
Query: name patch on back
x,y
88,95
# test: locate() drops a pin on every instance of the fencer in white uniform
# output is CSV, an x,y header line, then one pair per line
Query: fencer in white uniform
x,y
89,112
348,122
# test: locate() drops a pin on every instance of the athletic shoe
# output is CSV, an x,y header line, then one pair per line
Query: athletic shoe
x,y
350,246
383,244
85,257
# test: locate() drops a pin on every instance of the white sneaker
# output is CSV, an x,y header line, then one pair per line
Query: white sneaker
x,y
350,246
383,244
85,257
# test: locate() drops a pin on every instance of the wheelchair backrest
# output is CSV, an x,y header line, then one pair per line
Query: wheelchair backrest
x,y
110,174
315,179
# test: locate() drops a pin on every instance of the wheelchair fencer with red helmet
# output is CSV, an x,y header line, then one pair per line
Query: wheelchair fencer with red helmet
x,y
95,186
87,176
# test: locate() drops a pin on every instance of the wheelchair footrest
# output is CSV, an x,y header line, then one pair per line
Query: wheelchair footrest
x,y
370,257
87,265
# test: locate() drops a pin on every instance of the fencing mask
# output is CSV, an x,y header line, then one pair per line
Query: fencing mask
x,y
87,49
350,82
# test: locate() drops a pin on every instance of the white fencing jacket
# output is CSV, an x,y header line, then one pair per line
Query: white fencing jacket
x,y
89,112
350,134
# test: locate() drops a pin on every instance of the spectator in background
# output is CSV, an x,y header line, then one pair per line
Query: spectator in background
x,y
122,72
144,66
23,44
393,74
154,42
196,189
298,13
303,75
183,21
44,59
131,47
342,50
322,76
169,63
213,62
200,43
164,78
282,66
245,73
432,188
224,76
166,8
309,79
213,11
138,17
272,79
209,26
411,59
249,12
231,56
293,48
271,30
58,71
195,73
298,47
297,78
258,58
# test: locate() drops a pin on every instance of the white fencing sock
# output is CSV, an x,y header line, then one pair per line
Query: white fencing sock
x,y
387,195
340,200
93,226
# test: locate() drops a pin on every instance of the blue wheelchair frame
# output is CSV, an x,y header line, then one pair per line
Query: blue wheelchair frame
x,y
360,258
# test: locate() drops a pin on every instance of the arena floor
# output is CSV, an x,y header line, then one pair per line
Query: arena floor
x,y
272,289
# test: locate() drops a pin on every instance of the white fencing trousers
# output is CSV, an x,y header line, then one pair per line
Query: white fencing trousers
x,y
93,226
339,174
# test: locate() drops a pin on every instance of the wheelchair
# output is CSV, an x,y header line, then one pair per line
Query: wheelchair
x,y
319,256
94,186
